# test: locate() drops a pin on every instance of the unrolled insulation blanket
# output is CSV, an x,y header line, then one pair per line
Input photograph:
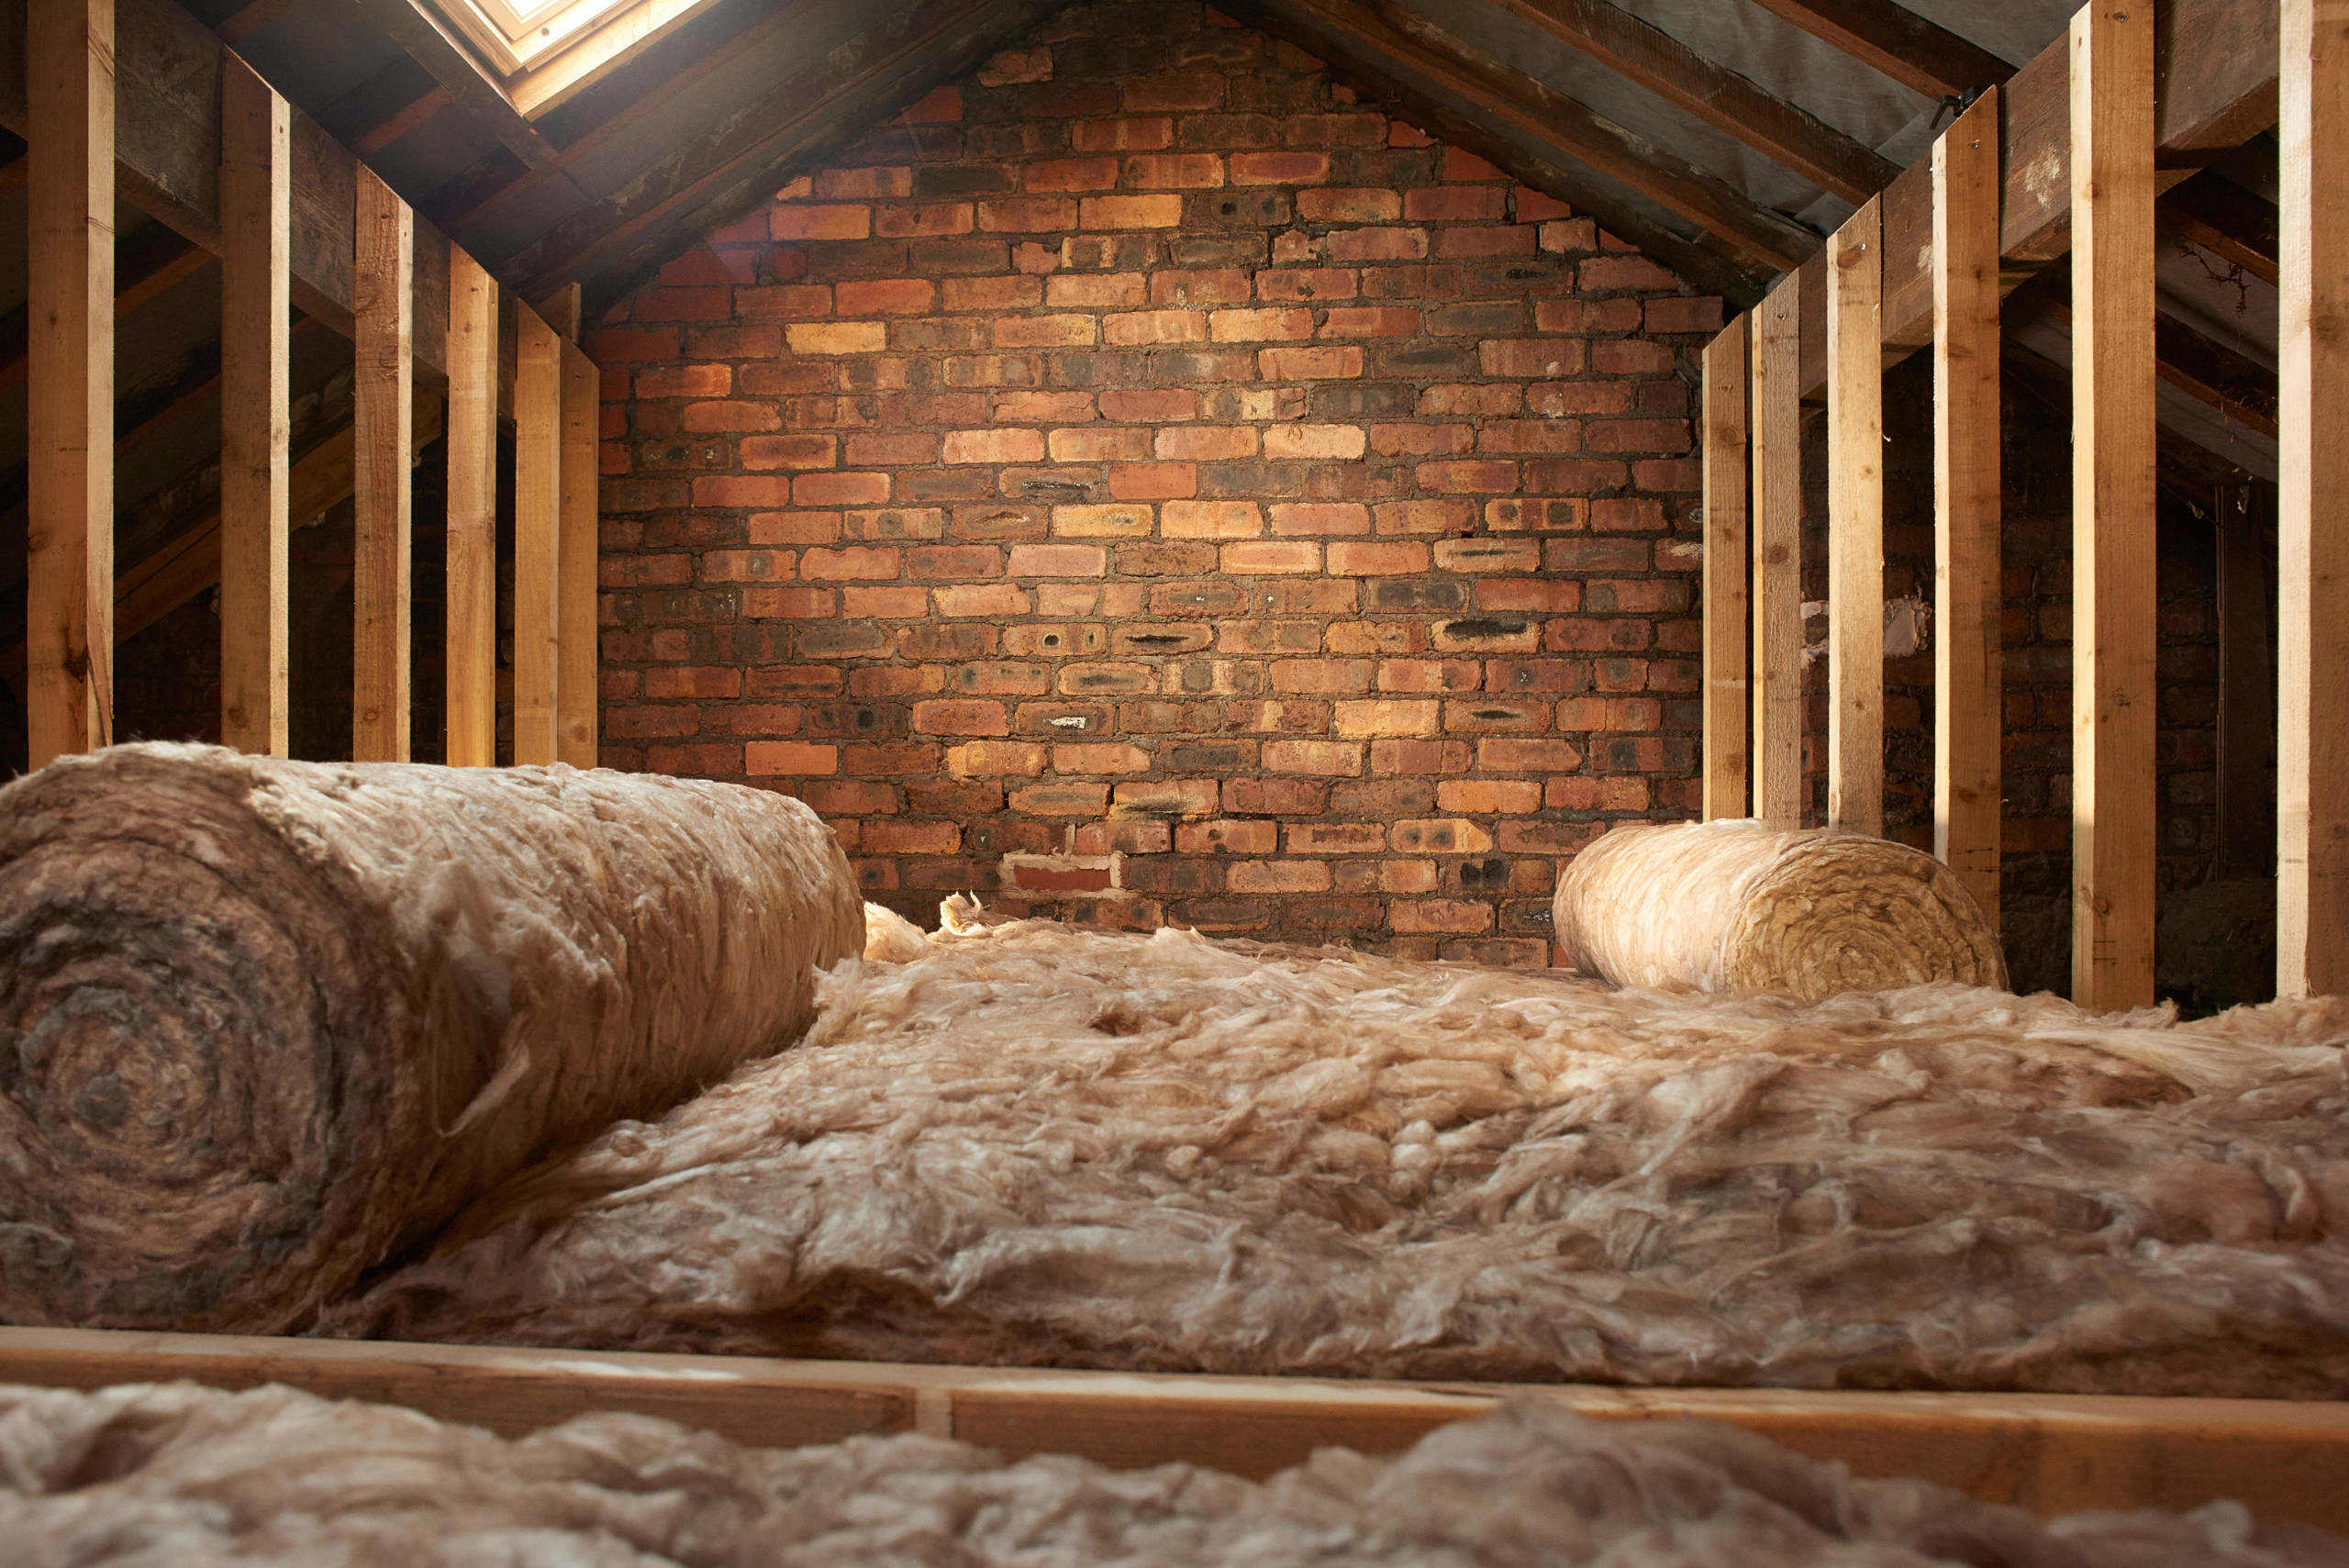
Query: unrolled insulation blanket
x,y
145,1475
1046,1145
1738,905
262,1022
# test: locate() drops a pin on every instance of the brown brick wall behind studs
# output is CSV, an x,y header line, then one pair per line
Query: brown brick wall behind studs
x,y
1144,485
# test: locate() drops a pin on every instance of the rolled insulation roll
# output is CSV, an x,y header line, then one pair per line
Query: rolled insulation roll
x,y
1739,906
264,1023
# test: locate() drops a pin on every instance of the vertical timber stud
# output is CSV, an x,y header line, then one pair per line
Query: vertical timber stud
x,y
1728,609
69,84
576,710
1968,725
1855,523
1777,556
537,532
384,432
2112,505
2312,642
473,514
256,348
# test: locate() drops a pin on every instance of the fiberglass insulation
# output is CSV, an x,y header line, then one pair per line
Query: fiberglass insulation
x,y
262,1022
1045,1145
147,1476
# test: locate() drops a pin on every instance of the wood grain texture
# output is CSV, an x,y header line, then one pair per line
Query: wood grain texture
x,y
473,514
383,433
1783,132
1728,606
256,423
2113,691
1893,40
1777,557
1968,724
2312,360
2053,1453
1855,523
70,350
577,709
537,532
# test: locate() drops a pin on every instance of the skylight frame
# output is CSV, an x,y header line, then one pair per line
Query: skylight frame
x,y
518,39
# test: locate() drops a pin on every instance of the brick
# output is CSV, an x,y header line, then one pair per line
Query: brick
x,y
1637,435
1349,559
1481,241
728,490
1601,273
1226,837
1115,757
1097,290
1278,876
993,446
1320,675
1180,171
1210,520
884,604
1102,521
1043,407
950,715
774,757
992,599
1167,798
1425,516
745,566
1531,358
1319,519
1071,174
1362,720
885,297
1152,481
820,222
885,837
936,561
1143,326
789,451
1043,331
1100,444
853,562
840,489
1131,212
795,604
837,336
1381,244
1144,133
1466,477
1279,168
1107,680
1470,203
1205,442
1257,557
1308,283
695,760
1522,754
1061,800
1440,836
1429,675
684,381
1483,555
1027,214
1342,441
1308,365
1348,204
1215,285
918,220
1329,758
994,759
1058,561
1489,796
1260,326
912,449
1370,321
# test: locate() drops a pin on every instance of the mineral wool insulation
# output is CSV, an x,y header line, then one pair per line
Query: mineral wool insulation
x,y
1037,1144
141,1477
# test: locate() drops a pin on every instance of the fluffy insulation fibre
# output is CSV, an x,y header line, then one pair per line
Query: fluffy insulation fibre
x,y
1736,904
146,1475
1045,1145
262,1022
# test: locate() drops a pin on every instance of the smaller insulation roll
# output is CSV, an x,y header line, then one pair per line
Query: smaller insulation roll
x,y
264,1023
1739,906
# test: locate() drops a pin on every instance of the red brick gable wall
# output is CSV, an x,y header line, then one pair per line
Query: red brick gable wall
x,y
1141,485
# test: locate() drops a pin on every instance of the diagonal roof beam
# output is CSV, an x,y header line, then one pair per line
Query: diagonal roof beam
x,y
2225,219
1783,132
1896,41
1748,232
432,46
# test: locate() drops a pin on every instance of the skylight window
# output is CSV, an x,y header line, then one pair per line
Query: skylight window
x,y
546,49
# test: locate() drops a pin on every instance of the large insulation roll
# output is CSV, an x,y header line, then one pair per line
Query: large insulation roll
x,y
1739,906
264,1023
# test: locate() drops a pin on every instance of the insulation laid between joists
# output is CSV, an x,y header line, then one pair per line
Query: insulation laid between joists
x,y
263,1023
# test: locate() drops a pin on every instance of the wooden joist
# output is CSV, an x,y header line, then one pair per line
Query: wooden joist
x,y
256,423
2052,1454
167,69
577,705
1968,593
1776,747
2312,360
383,437
472,595
1784,133
1728,606
70,426
537,532
1915,52
1855,525
2113,692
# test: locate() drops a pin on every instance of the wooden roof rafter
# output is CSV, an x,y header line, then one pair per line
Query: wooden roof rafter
x,y
1897,42
1784,133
